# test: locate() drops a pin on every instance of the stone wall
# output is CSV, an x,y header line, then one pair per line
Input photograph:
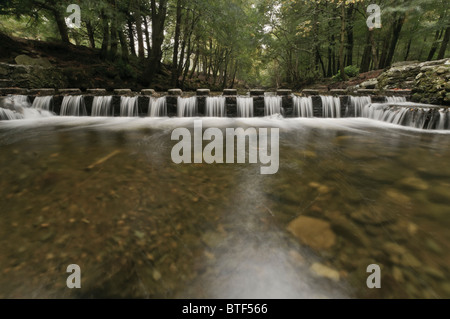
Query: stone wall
x,y
429,81
31,76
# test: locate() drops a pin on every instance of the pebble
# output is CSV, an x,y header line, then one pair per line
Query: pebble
x,y
414,183
325,271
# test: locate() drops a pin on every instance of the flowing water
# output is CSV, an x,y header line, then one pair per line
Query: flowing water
x,y
244,106
129,106
331,106
73,106
157,107
215,106
104,194
272,105
43,103
303,107
102,106
187,107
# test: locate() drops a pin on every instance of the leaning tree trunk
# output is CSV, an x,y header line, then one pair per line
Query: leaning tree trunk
x,y
62,27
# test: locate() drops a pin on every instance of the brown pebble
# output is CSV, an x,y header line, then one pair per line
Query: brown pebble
x,y
45,225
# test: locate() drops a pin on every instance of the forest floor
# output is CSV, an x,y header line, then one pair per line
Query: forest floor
x,y
84,68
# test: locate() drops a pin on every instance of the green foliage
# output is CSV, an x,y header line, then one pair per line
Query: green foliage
x,y
351,71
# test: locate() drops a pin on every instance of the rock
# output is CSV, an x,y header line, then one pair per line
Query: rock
x,y
96,91
433,246
69,91
414,183
369,84
313,232
229,92
175,92
122,91
398,197
148,92
26,60
372,216
257,92
203,92
434,272
156,275
324,271
439,194
310,92
284,92
397,274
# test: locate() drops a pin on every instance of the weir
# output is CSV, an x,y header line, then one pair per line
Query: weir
x,y
391,109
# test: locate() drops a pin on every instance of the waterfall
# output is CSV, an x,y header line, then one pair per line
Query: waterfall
x,y
42,103
395,99
157,107
215,106
73,106
101,106
417,117
444,119
360,104
244,106
129,106
303,106
272,105
187,107
331,107
6,114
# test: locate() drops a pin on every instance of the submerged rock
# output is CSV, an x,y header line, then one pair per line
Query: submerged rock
x,y
313,232
325,271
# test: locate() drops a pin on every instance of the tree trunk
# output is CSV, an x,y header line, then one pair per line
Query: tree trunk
x,y
105,29
398,25
434,47
90,32
123,45
62,27
444,44
147,34
350,39
114,42
175,74
374,50
131,38
366,59
158,21
138,19
341,49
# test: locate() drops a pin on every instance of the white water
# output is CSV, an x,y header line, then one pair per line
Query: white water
x,y
331,107
303,107
360,104
157,107
272,105
187,107
7,114
444,119
73,106
42,103
215,106
244,106
395,99
17,107
101,106
129,106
